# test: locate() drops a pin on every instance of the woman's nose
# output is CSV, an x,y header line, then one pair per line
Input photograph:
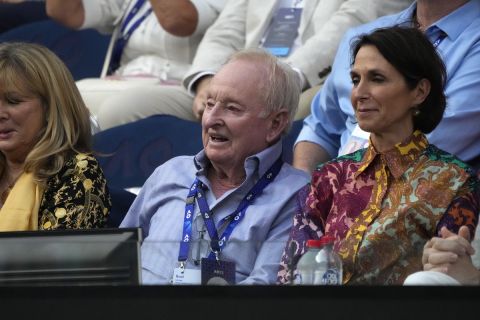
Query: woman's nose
x,y
3,111
361,90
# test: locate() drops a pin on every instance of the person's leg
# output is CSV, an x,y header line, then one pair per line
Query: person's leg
x,y
141,102
116,102
96,91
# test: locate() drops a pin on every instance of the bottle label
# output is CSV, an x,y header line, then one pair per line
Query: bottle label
x,y
331,277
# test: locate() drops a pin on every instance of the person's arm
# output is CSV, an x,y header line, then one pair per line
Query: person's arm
x,y
77,197
67,12
178,17
307,155
451,254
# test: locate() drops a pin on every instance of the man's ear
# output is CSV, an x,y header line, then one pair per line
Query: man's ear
x,y
278,122
421,91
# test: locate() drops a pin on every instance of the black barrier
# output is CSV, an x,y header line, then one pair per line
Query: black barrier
x,y
241,302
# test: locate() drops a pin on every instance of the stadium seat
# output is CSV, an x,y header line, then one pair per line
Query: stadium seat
x,y
83,51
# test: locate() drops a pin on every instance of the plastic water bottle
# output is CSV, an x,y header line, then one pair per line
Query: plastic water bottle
x,y
329,265
319,265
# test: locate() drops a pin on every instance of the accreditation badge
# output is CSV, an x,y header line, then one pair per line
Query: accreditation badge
x,y
186,276
283,31
218,272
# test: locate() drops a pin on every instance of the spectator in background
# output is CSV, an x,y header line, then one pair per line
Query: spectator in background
x,y
14,13
314,27
453,26
48,176
243,189
153,45
383,203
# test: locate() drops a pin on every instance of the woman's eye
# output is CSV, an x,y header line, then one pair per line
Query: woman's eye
x,y
11,100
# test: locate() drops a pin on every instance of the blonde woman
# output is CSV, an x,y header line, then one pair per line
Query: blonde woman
x,y
48,176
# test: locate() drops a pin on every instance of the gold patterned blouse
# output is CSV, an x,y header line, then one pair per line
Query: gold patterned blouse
x,y
75,198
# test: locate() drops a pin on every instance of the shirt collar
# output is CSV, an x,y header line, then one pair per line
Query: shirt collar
x,y
452,24
399,158
406,16
261,161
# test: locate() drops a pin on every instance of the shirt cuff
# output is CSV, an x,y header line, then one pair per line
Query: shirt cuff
x,y
194,80
307,134
206,15
92,13
303,80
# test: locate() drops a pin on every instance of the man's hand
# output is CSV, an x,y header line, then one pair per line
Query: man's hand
x,y
200,96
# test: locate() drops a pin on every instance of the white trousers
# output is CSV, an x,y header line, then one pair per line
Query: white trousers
x,y
116,102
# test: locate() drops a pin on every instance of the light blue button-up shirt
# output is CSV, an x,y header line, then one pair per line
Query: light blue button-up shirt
x,y
255,245
332,118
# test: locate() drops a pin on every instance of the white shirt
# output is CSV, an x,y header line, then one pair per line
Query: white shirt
x,y
151,51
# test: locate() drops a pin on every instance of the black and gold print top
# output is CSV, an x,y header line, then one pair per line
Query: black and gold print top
x,y
77,197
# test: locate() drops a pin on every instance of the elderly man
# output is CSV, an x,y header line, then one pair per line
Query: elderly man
x,y
226,212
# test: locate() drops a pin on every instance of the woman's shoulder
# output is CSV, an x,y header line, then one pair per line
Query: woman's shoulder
x,y
447,159
354,157
81,160
79,164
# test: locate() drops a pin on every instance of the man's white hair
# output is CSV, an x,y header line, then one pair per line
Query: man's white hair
x,y
281,88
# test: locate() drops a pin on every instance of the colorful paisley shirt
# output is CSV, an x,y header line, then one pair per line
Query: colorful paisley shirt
x,y
382,208
76,197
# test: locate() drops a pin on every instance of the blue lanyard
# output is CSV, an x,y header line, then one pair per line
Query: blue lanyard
x,y
125,34
196,192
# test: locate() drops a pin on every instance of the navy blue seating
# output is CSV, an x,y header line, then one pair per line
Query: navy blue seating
x,y
132,151
83,51
13,15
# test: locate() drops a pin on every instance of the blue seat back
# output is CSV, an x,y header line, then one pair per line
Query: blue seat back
x,y
83,51
128,154
132,151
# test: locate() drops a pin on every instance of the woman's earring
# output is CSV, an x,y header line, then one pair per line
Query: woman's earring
x,y
416,112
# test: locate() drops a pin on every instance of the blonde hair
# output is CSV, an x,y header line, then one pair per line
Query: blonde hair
x,y
35,70
282,86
